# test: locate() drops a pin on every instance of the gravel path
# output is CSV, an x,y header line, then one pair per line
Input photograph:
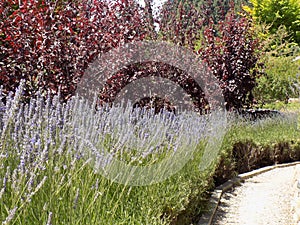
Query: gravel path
x,y
267,198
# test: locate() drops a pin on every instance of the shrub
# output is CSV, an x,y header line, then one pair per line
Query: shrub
x,y
231,49
231,52
277,83
276,44
51,43
51,172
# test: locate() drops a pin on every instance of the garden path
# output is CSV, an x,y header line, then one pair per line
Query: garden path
x,y
268,198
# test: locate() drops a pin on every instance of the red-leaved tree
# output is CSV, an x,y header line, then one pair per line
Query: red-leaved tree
x,y
231,50
51,43
230,47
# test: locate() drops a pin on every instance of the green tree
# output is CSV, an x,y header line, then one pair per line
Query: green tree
x,y
277,13
214,9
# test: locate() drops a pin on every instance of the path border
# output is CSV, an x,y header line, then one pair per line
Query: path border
x,y
214,201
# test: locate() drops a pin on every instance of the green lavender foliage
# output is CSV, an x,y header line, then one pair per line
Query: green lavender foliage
x,y
50,175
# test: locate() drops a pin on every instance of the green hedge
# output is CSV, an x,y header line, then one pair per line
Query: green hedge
x,y
278,83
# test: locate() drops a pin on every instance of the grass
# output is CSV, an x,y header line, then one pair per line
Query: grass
x,y
285,107
250,145
56,162
269,130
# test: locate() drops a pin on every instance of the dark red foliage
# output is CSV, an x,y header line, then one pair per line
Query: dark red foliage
x,y
230,47
155,69
232,52
51,43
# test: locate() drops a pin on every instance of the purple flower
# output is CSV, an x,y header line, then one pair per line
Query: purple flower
x,y
10,216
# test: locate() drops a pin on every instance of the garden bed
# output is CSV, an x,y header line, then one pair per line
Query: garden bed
x,y
47,175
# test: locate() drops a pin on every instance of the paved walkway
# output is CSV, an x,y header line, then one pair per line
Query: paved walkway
x,y
268,198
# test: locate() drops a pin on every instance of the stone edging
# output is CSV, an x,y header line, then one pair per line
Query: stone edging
x,y
207,218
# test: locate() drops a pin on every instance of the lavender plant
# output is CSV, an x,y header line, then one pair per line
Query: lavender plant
x,y
54,158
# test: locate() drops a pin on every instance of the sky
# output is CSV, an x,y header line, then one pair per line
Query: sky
x,y
156,3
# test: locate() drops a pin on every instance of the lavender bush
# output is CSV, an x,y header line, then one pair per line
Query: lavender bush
x,y
54,156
